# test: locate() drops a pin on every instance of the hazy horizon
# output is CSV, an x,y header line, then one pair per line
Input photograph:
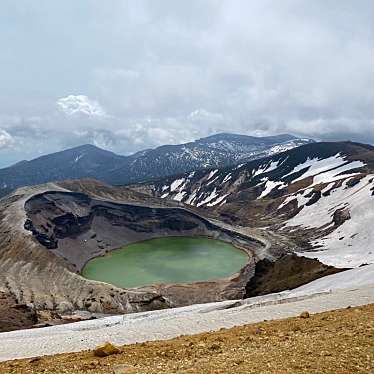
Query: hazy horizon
x,y
2,165
129,76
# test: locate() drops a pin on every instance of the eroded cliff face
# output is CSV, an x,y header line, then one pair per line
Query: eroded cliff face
x,y
48,233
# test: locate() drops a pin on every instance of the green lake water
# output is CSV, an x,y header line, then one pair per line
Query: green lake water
x,y
166,260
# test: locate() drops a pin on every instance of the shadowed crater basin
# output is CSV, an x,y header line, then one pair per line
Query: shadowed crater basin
x,y
167,260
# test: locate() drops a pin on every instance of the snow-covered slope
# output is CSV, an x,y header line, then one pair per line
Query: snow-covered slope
x,y
322,192
268,175
352,243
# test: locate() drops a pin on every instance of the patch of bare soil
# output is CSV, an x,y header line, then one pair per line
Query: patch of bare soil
x,y
15,316
333,342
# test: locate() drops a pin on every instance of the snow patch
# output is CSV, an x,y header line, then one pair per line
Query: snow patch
x,y
176,184
180,195
267,168
219,200
212,173
316,166
191,198
227,178
269,186
209,198
212,181
336,174
354,278
78,158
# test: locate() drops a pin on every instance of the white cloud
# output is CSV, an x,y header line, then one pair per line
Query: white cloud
x,y
6,140
254,67
205,117
80,104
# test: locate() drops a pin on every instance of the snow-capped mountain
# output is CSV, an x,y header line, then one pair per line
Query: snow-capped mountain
x,y
93,162
321,195
214,151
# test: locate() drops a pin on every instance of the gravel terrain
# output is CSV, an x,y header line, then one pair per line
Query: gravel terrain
x,y
331,342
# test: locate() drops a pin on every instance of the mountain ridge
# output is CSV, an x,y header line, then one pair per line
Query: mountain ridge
x,y
90,161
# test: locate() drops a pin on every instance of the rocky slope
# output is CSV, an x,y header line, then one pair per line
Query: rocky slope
x,y
90,161
320,195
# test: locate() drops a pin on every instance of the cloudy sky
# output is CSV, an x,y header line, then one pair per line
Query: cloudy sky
x,y
128,75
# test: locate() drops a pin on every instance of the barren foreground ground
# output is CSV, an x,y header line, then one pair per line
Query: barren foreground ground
x,y
334,342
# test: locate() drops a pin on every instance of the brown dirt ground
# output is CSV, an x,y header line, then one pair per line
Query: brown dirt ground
x,y
15,316
334,342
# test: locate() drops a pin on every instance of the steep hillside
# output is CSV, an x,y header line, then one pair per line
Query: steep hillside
x,y
88,161
319,194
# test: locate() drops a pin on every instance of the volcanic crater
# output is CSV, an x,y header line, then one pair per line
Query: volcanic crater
x,y
77,227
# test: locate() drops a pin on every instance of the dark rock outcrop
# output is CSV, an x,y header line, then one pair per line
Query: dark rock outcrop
x,y
341,216
288,272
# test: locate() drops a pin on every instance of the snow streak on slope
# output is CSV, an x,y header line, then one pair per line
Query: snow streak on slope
x,y
301,198
267,168
270,186
176,184
316,165
322,170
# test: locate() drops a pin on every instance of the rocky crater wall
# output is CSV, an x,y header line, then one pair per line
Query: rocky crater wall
x,y
78,228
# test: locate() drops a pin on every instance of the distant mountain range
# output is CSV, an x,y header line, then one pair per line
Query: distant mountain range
x,y
90,161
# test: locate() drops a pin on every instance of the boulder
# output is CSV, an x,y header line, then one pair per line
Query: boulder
x,y
305,315
106,349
